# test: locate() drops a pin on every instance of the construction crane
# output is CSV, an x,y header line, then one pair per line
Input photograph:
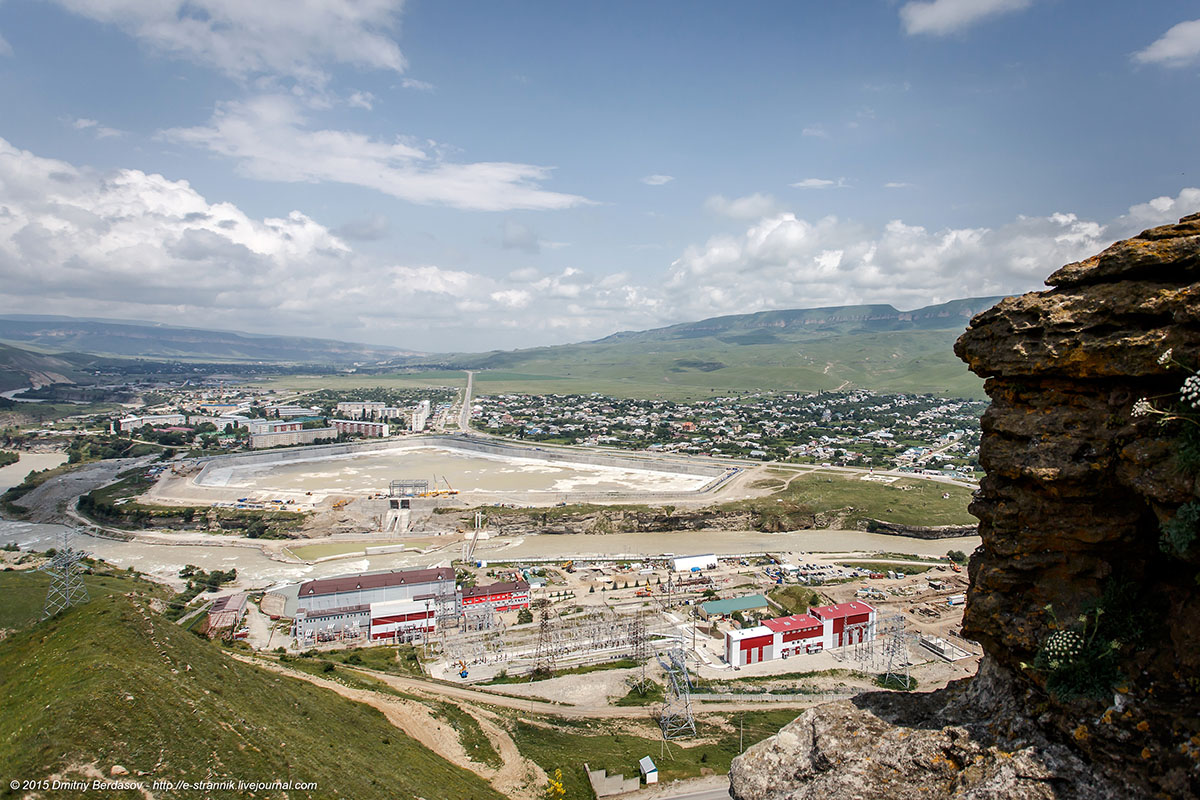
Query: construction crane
x,y
437,490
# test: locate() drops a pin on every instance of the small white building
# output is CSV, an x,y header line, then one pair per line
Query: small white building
x,y
693,563
648,770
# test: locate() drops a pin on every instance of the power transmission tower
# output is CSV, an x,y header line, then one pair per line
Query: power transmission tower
x,y
639,650
66,585
895,650
547,645
676,720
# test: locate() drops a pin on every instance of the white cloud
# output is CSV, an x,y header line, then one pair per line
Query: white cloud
x,y
896,185
101,131
1178,47
657,180
5,47
127,244
421,86
816,131
819,183
269,139
783,261
942,17
281,38
361,100
751,206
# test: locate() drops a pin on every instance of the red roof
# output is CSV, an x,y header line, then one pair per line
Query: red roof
x,y
495,588
374,580
841,610
796,622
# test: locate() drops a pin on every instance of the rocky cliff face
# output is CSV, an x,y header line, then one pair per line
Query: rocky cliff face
x,y
1071,510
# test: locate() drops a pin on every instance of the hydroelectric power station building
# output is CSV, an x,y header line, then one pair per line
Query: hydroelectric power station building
x,y
380,604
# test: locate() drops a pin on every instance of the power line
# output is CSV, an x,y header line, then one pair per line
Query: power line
x,y
66,584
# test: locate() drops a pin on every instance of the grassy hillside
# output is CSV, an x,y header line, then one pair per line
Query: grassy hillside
x,y
109,683
872,347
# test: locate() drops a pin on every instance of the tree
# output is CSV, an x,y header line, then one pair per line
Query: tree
x,y
524,616
957,556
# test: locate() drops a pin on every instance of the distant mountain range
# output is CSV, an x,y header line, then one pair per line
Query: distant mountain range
x,y
868,346
152,340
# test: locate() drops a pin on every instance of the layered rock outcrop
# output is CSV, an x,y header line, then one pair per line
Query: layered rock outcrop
x,y
1071,509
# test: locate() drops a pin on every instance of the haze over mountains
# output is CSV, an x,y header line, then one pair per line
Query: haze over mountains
x,y
869,346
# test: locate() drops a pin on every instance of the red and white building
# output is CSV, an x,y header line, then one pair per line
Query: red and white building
x,y
821,628
508,596
401,619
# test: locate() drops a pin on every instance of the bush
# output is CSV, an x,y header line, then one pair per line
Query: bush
x,y
524,616
957,556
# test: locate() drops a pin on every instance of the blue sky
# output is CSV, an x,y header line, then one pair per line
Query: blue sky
x,y
458,175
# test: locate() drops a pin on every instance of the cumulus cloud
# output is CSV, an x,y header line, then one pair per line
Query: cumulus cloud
x,y
896,185
269,139
815,131
783,261
364,100
136,245
261,38
942,17
1178,47
657,180
751,206
101,131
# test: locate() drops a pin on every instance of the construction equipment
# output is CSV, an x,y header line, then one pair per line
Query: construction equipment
x,y
340,504
462,668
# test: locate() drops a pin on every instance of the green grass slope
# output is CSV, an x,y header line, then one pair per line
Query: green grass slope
x,y
808,350
111,683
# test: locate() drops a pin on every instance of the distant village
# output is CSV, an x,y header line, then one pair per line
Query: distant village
x,y
858,428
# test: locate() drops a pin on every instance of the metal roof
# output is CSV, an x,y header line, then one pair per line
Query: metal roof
x,y
732,604
841,610
503,587
796,622
374,580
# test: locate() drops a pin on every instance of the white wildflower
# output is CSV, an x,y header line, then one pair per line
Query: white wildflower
x,y
1191,390
1142,408
1165,357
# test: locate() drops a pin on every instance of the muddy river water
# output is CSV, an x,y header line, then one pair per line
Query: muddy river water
x,y
256,569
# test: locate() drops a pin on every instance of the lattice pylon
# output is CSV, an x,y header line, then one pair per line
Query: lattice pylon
x,y
677,720
66,584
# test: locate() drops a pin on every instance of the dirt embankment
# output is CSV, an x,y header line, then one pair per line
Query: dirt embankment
x,y
599,519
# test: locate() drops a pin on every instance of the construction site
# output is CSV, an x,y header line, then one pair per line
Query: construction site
x,y
574,631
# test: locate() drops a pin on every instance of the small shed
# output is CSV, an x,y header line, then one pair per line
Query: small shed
x,y
649,771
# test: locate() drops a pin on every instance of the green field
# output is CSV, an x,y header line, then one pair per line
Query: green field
x,y
803,359
566,745
908,501
103,685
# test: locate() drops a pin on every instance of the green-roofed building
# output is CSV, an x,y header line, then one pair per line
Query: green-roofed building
x,y
723,608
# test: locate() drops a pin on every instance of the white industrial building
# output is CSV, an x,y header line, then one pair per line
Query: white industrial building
x,y
693,563
384,603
